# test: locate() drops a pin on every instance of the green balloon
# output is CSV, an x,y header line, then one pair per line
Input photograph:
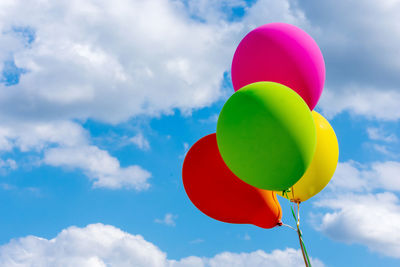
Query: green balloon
x,y
266,135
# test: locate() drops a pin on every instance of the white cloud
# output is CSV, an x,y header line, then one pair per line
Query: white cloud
x,y
94,245
387,174
99,166
360,49
379,135
373,103
372,220
267,11
358,210
27,136
383,149
353,176
8,164
348,176
383,141
279,258
140,141
114,61
111,62
67,144
169,219
361,55
103,245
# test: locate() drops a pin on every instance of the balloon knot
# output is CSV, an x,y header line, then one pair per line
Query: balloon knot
x,y
280,223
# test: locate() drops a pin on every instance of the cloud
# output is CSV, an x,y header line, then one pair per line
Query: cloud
x,y
385,150
140,141
67,144
362,46
358,211
36,136
353,176
94,245
105,245
348,176
64,62
99,166
379,135
373,103
268,11
211,119
186,148
360,49
361,55
8,164
372,220
169,219
111,62
279,258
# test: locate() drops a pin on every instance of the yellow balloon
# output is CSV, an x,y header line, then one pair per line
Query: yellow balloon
x,y
322,166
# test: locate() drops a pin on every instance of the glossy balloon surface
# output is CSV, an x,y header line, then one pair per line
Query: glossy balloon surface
x,y
218,193
323,164
266,135
282,53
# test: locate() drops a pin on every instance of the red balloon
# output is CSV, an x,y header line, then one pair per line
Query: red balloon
x,y
220,194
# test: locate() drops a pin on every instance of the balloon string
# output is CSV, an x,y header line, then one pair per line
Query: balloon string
x,y
303,246
297,220
283,224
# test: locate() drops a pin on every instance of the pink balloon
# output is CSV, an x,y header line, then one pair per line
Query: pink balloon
x,y
282,53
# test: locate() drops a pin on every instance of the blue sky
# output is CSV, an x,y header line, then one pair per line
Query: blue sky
x,y
100,101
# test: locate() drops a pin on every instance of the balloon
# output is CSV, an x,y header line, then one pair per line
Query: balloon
x,y
266,135
282,53
218,193
323,164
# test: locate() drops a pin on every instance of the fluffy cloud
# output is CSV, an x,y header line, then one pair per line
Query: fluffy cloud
x,y
99,166
358,210
267,11
67,144
361,55
372,220
377,103
103,245
114,61
95,245
353,176
65,62
36,136
280,258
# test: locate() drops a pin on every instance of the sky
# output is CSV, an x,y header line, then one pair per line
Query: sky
x,y
100,101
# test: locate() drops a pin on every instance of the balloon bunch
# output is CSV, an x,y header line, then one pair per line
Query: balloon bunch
x,y
268,137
